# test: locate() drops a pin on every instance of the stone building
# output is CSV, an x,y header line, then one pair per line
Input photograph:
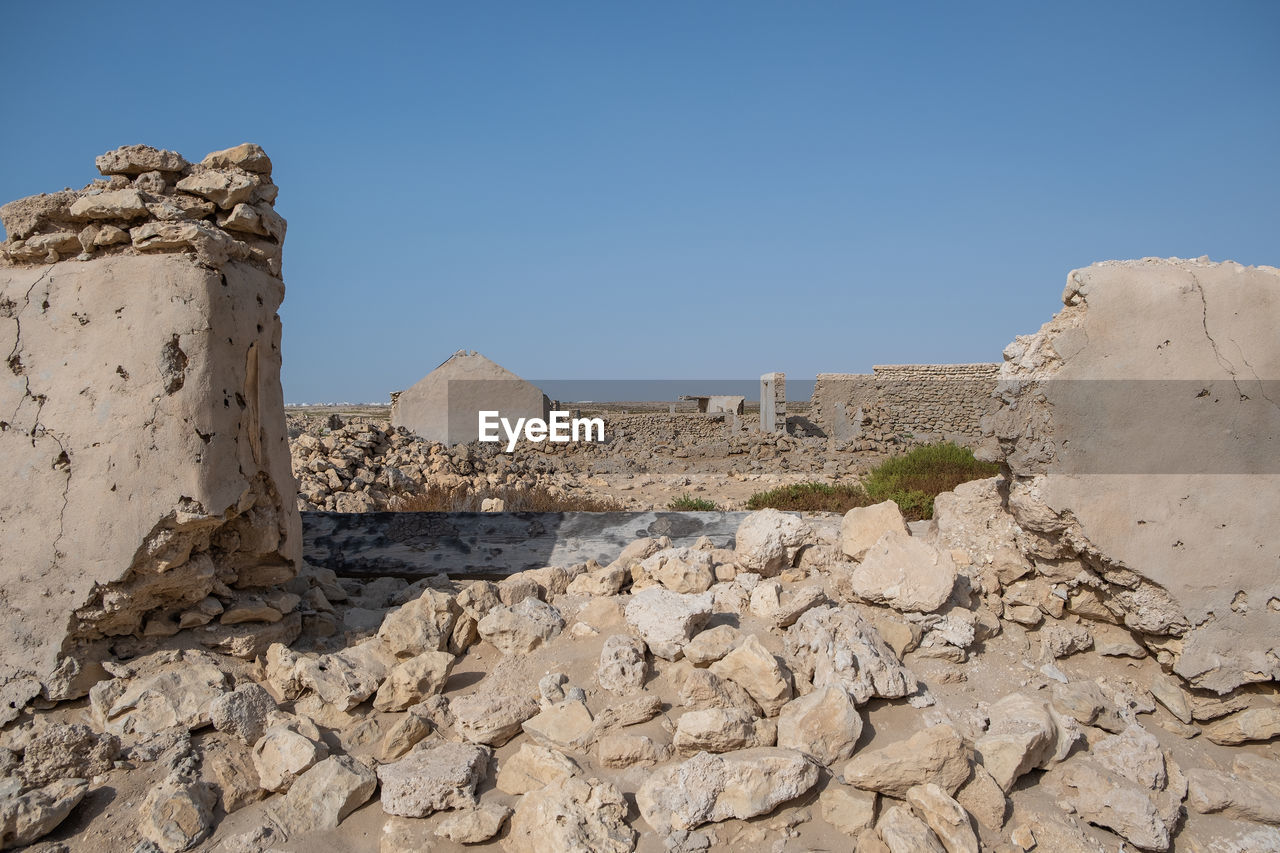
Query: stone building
x,y
924,400
445,404
710,404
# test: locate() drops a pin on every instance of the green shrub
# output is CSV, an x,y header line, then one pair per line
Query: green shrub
x,y
911,481
688,503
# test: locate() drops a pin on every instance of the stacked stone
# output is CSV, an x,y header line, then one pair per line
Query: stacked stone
x,y
155,201
933,400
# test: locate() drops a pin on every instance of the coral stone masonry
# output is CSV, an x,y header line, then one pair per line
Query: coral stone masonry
x,y
147,482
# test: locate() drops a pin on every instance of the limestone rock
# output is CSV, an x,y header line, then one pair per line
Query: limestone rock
x,y
1061,639
903,832
757,671
704,689
431,779
1248,725
1169,693
577,816
682,570
824,724
712,644
323,796
31,816
1108,799
247,156
422,625
474,825
709,788
522,628
783,607
1215,792
623,750
722,730
849,810
224,187
667,620
412,680
836,646
863,526
623,666
242,712
405,734
936,754
534,767
491,718
946,817
231,774
347,678
905,574
136,159
177,814
109,204
1023,735
983,798
1087,704
67,752
177,695
560,725
767,541
283,753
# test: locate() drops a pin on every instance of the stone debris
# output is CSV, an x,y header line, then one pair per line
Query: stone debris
x,y
433,778
177,814
475,825
666,620
824,725
28,817
623,664
325,794
577,815
936,754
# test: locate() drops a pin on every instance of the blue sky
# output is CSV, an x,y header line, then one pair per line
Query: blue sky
x,y
677,189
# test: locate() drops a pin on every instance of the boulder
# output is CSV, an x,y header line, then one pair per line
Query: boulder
x,y
681,569
1228,794
521,628
133,160
983,798
534,767
824,725
1023,735
905,574
756,670
936,754
946,817
903,832
1108,799
323,796
561,725
623,666
177,814
1142,390
767,541
836,646
283,753
704,689
178,694
710,645
783,606
432,779
424,624
863,526
491,718
1248,725
412,680
576,816
709,788
722,730
849,810
667,620
242,712
67,752
29,817
474,825
623,750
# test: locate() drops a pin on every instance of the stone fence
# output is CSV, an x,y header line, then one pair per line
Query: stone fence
x,y
937,400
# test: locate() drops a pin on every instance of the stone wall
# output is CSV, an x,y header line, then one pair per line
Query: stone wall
x,y
935,400
1138,429
659,428
143,448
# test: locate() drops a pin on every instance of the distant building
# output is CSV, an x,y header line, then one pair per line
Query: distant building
x,y
445,404
713,403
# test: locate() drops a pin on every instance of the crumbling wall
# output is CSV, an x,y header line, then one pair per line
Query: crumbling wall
x,y
941,400
1139,429
142,436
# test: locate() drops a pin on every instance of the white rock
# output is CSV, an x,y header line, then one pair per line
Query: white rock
x,y
682,570
283,753
534,767
936,754
1023,735
722,730
836,646
709,788
767,541
491,718
474,825
905,574
623,666
521,628
712,644
431,779
667,620
29,817
863,526
823,724
903,832
946,817
422,625
177,814
576,816
178,695
242,712
412,680
756,670
323,796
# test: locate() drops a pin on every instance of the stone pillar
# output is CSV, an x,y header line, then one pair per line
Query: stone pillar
x,y
773,402
142,442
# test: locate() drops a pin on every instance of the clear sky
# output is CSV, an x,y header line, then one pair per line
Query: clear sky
x,y
676,189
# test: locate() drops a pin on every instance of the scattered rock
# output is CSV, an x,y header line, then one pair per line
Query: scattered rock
x,y
323,796
903,832
863,526
1108,799
31,816
67,752
824,724
521,628
836,646
489,718
242,712
709,788
623,665
711,645
767,541
560,725
283,753
936,754
433,778
849,810
412,680
1023,735
667,620
623,750
574,815
684,570
1251,724
904,573
534,767
722,730
474,825
177,814
946,817
757,671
